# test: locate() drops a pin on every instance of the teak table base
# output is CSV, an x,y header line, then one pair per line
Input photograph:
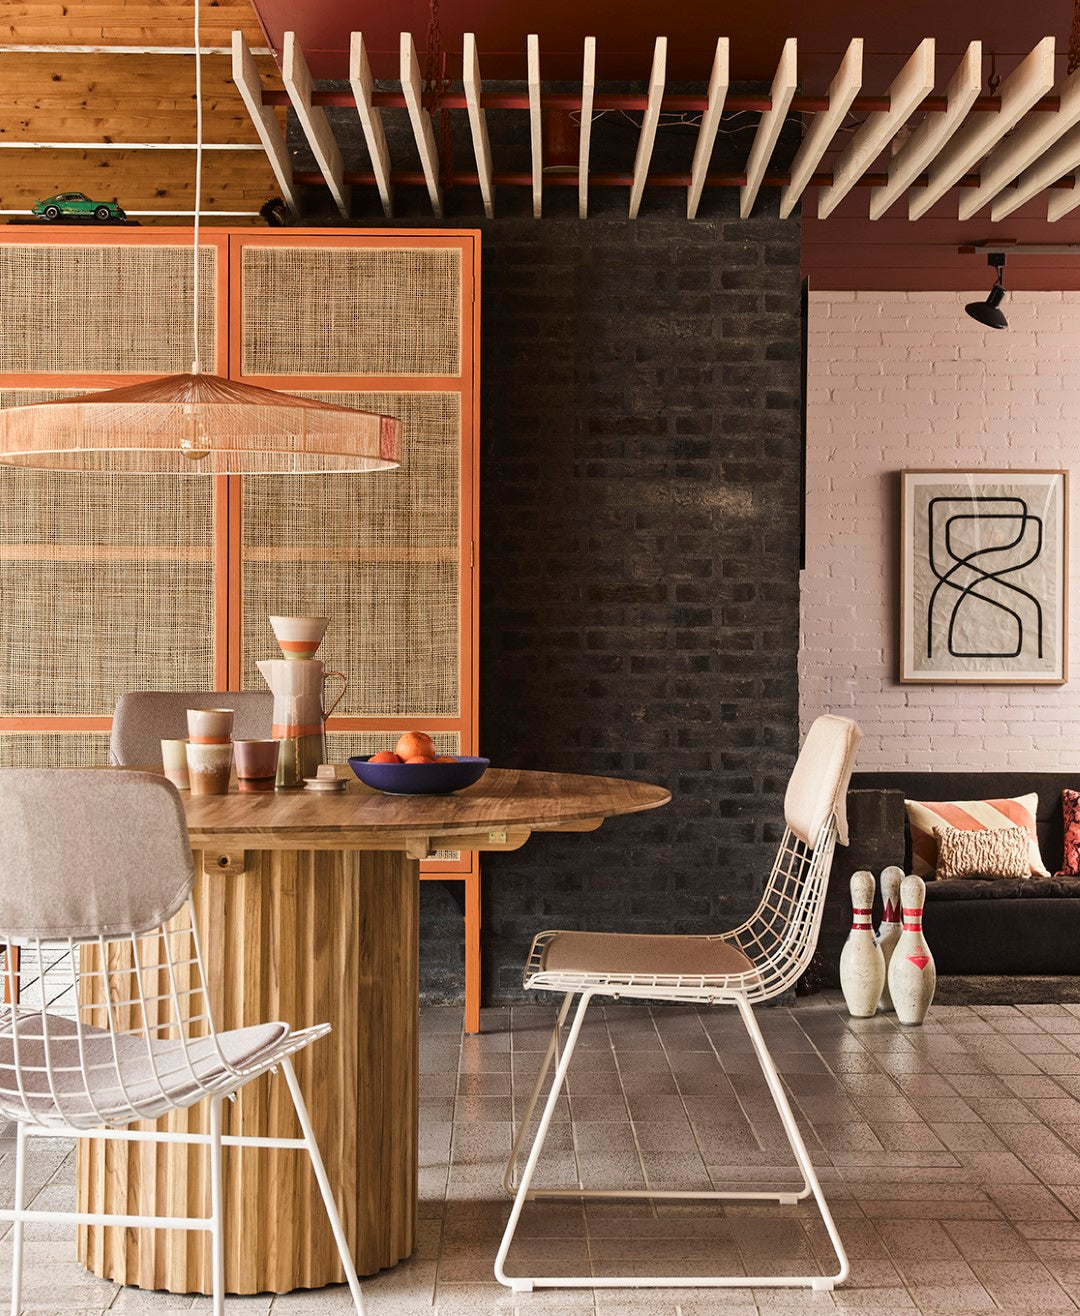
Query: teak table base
x,y
306,936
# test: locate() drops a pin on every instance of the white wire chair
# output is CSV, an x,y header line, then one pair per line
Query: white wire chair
x,y
95,882
754,962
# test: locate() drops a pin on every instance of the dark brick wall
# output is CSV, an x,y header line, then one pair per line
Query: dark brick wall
x,y
640,536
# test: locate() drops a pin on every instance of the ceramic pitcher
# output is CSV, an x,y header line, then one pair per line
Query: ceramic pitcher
x,y
299,714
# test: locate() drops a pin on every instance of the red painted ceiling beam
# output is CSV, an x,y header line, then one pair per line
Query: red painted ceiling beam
x,y
519,100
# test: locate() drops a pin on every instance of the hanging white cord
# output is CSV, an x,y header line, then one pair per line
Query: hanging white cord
x,y
195,365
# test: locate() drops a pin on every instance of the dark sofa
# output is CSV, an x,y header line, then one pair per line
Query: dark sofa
x,y
973,927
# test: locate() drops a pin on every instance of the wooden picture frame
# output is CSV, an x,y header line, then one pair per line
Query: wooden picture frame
x,y
1001,619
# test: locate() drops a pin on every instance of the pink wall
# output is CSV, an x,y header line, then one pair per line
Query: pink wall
x,y
901,380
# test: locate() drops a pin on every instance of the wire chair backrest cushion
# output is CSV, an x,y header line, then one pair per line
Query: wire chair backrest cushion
x,y
817,789
89,852
144,718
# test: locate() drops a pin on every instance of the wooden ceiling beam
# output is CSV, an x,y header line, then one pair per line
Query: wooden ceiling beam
x,y
536,130
470,74
649,121
363,85
412,89
770,125
248,83
313,121
588,90
719,81
842,91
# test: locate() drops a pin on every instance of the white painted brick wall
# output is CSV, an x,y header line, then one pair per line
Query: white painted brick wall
x,y
901,380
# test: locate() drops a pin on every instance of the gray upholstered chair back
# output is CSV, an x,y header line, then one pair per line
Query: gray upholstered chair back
x,y
144,718
87,852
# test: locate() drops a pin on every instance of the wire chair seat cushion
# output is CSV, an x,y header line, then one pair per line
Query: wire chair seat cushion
x,y
53,1068
637,959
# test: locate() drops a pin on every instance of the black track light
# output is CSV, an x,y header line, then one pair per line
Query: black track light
x,y
989,312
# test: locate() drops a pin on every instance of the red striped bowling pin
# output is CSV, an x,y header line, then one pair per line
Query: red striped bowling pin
x,y
888,932
862,965
912,975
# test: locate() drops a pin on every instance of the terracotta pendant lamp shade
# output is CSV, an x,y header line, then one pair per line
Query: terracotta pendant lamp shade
x,y
197,424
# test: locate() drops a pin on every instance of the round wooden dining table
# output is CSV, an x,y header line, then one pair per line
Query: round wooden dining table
x,y
307,906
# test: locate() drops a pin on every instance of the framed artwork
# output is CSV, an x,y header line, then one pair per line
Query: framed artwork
x,y
983,577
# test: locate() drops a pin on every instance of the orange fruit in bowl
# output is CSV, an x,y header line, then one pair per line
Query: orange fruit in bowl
x,y
446,758
384,756
420,758
415,744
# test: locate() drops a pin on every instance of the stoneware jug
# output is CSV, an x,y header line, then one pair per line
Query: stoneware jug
x,y
299,719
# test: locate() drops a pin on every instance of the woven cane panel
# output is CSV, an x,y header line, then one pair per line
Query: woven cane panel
x,y
102,309
351,311
342,745
378,554
102,589
50,749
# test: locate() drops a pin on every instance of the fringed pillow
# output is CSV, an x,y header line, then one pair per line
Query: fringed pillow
x,y
996,852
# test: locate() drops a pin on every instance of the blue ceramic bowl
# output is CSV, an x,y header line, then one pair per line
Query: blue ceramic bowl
x,y
420,778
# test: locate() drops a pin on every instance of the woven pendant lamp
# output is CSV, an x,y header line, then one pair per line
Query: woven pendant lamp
x,y
196,423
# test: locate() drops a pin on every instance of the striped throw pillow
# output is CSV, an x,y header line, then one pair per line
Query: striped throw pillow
x,y
972,816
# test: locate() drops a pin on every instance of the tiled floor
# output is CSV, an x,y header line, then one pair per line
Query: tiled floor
x,y
949,1153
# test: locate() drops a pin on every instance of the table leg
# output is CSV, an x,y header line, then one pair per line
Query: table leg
x,y
308,937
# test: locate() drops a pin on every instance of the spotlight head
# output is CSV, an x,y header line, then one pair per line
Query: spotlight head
x,y
989,313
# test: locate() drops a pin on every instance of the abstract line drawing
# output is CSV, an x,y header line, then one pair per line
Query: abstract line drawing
x,y
983,577
976,582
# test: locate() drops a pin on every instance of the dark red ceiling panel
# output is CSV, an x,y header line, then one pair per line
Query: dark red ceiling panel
x,y
625,32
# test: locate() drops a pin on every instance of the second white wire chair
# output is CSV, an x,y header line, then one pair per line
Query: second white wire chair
x,y
752,963
96,874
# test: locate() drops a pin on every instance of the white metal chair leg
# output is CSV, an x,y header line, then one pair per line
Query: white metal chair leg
x,y
348,1265
18,1225
217,1226
509,1182
520,1198
798,1146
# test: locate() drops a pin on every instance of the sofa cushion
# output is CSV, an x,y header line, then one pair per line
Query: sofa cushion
x,y
992,852
1005,888
972,815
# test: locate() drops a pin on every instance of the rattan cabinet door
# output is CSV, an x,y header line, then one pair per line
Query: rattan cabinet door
x,y
107,583
380,321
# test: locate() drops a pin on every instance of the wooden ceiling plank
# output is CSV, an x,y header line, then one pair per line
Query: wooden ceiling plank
x,y
470,74
588,91
930,137
1035,136
649,121
363,85
536,133
1062,158
912,84
424,133
719,81
769,126
842,91
249,85
981,133
313,121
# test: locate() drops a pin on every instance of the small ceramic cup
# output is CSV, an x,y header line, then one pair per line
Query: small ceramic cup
x,y
299,637
209,767
210,726
174,761
256,764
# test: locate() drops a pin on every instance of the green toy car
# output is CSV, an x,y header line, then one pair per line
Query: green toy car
x,y
75,205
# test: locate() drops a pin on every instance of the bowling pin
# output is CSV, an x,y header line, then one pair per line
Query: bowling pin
x,y
862,965
912,975
889,930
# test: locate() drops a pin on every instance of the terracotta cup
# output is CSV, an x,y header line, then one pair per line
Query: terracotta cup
x,y
174,761
210,726
299,637
209,767
256,764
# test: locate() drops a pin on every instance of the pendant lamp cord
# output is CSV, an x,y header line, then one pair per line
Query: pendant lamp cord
x,y
196,365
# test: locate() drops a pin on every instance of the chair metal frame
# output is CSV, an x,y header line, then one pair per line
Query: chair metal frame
x,y
779,939
154,1049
